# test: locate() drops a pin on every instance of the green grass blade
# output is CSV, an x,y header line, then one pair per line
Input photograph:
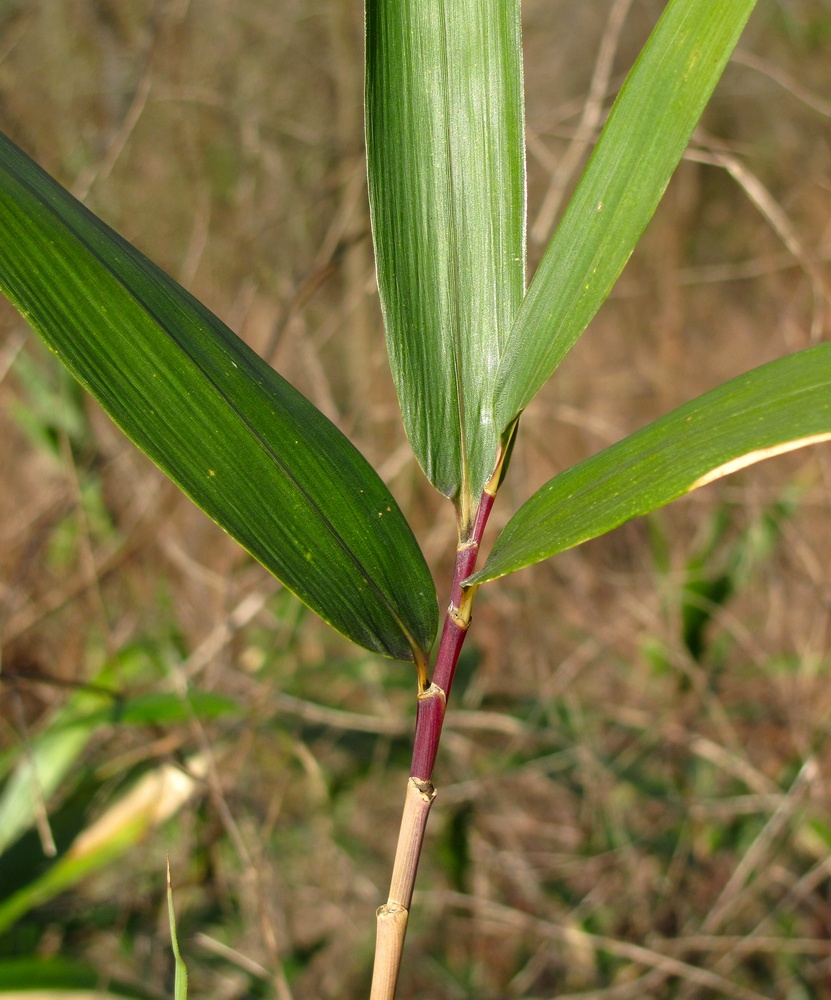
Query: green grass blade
x,y
776,408
445,145
180,982
236,437
639,148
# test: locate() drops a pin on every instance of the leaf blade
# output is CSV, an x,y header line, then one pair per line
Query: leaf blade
x,y
776,408
180,982
641,144
445,149
234,435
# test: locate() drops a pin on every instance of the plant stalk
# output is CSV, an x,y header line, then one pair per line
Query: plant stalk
x,y
392,916
432,705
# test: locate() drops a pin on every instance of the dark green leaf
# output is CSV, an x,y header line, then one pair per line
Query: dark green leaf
x,y
236,437
776,408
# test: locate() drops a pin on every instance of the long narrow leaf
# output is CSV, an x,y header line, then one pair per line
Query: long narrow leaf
x,y
180,982
773,409
236,437
641,144
445,143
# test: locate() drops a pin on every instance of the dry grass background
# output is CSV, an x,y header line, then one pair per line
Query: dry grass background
x,y
634,787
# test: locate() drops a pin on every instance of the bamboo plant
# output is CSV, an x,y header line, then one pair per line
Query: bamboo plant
x,y
470,344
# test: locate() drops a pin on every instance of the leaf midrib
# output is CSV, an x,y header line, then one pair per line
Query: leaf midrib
x,y
463,503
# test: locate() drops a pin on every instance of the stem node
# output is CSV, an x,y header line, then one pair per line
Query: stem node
x,y
433,691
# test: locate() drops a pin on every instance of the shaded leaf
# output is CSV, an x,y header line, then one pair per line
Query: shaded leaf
x,y
445,144
236,437
777,408
42,765
53,978
162,708
643,139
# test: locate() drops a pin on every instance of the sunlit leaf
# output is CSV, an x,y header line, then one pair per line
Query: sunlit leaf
x,y
447,192
641,144
151,801
773,409
236,437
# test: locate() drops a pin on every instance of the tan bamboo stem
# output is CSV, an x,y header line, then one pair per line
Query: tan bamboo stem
x,y
392,916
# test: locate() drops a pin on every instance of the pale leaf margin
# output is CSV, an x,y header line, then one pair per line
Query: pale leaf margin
x,y
769,411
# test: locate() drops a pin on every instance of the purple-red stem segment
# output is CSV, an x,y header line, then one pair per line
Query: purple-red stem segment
x,y
432,703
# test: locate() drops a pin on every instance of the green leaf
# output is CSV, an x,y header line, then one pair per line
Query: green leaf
x,y
237,438
160,708
779,407
180,983
644,138
445,145
54,978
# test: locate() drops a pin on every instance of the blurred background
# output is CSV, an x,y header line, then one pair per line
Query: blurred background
x,y
634,780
